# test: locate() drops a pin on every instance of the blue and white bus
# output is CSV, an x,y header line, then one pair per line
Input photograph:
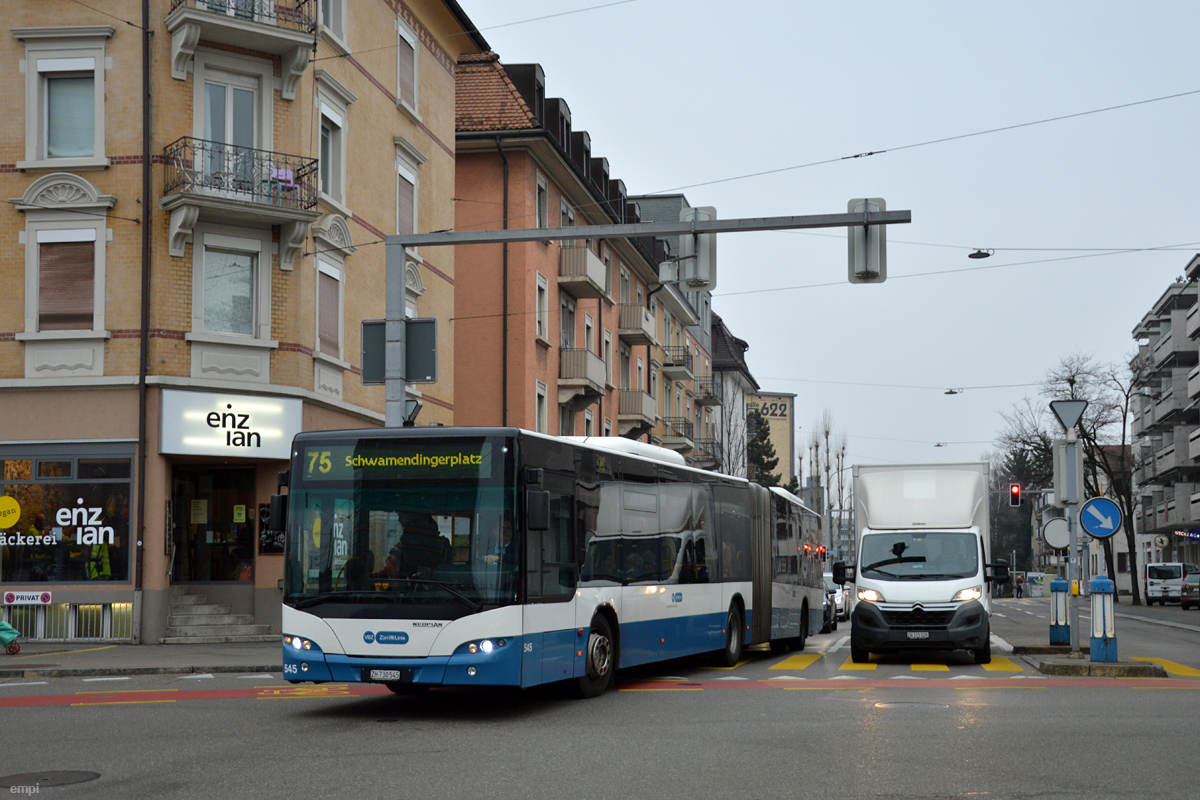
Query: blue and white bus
x,y
419,557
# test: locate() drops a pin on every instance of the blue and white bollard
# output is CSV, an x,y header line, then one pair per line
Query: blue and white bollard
x,y
1104,632
1060,625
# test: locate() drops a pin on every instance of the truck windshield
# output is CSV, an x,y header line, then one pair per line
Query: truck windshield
x,y
919,556
405,533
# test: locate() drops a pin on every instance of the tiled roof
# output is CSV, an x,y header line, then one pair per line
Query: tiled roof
x,y
728,351
485,99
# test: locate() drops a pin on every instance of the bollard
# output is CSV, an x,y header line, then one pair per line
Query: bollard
x,y
1060,625
1104,632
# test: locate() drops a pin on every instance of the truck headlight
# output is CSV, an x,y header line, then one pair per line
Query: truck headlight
x,y
974,593
870,595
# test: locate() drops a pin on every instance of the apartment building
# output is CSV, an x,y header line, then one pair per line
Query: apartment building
x,y
733,374
144,430
1166,425
779,410
558,336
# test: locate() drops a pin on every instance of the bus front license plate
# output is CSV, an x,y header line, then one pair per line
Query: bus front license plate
x,y
389,675
918,634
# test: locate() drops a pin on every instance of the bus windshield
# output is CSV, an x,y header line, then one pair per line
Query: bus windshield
x,y
921,556
405,525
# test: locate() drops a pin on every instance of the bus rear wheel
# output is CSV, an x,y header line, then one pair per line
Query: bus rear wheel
x,y
600,660
798,642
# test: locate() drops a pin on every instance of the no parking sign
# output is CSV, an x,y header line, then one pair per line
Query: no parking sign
x,y
26,598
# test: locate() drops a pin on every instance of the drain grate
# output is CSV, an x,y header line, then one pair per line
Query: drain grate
x,y
47,778
918,706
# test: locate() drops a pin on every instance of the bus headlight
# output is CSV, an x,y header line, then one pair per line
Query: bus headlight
x,y
974,593
870,595
486,645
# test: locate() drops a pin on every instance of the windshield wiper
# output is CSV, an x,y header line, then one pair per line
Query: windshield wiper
x,y
890,561
329,597
447,588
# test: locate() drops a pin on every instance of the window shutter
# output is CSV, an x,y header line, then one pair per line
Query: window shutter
x,y
328,327
66,285
406,203
407,72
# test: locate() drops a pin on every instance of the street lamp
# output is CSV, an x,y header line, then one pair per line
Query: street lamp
x,y
981,253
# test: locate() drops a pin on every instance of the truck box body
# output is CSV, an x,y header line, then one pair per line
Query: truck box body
x,y
922,546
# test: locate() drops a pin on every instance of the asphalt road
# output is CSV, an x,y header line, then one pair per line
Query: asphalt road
x,y
772,727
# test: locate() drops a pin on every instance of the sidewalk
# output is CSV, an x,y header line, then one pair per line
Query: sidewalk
x,y
61,660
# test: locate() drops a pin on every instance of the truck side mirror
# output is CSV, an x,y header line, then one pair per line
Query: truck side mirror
x,y
998,573
839,573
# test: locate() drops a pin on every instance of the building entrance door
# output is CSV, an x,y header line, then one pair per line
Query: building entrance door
x,y
214,523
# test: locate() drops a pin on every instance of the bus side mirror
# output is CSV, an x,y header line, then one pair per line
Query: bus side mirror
x,y
997,572
537,510
278,521
840,571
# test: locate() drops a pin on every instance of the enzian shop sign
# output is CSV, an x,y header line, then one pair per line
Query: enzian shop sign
x,y
246,426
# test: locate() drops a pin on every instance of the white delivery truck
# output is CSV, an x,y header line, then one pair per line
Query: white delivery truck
x,y
922,575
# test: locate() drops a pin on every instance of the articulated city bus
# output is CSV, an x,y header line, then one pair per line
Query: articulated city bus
x,y
419,557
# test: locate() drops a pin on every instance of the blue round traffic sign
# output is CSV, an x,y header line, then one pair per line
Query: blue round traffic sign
x,y
1100,517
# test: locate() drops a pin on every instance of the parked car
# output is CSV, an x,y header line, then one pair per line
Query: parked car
x,y
841,597
1164,580
1189,592
829,618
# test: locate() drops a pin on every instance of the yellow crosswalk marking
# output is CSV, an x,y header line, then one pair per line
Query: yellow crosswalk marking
x,y
1173,667
797,662
930,668
850,665
1003,665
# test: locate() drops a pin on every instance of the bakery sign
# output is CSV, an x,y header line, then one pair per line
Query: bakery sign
x,y
238,425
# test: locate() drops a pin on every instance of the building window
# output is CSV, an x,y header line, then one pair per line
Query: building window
x,y
607,426
329,310
66,299
333,18
232,288
624,286
64,96
653,382
641,375
588,333
608,357
406,200
589,423
331,156
567,322
542,308
407,62
543,202
566,421
540,409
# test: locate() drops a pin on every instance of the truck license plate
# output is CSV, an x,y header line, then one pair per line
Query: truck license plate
x,y
918,634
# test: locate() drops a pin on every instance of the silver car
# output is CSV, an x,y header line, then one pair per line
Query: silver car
x,y
840,598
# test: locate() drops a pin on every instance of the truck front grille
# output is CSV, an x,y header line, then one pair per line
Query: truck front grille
x,y
918,618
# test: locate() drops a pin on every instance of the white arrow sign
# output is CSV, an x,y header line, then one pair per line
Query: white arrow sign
x,y
1105,521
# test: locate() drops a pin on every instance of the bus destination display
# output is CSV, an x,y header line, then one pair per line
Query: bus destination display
x,y
441,461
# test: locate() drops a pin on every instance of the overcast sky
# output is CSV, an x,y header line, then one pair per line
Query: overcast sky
x,y
682,92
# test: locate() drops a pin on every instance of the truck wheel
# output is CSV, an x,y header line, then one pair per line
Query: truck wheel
x,y
984,654
600,659
858,654
731,653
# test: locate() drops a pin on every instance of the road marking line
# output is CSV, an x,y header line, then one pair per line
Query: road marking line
x,y
34,683
64,652
849,677
733,678
194,677
850,665
840,644
786,678
130,691
122,702
929,668
1173,667
266,675
745,660
1003,665
797,662
1003,645
96,680
907,678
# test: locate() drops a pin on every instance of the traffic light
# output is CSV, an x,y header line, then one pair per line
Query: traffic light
x,y
1014,494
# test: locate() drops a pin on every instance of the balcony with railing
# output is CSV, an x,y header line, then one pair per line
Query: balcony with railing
x,y
1193,321
707,454
636,324
708,391
678,434
581,377
677,363
637,412
221,182
581,273
282,28
1173,348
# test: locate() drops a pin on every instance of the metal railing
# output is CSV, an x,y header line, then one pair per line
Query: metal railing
x,y
708,450
677,356
679,427
708,389
295,15
198,166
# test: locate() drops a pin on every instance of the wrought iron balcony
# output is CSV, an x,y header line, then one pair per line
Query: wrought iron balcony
x,y
708,391
708,453
216,169
294,15
677,363
678,434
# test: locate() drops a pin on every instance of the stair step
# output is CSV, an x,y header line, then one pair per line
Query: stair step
x,y
185,620
192,610
229,639
178,589
187,599
189,631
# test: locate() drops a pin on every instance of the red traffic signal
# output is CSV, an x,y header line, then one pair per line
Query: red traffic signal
x,y
1014,494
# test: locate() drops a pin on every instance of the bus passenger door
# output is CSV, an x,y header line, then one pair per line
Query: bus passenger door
x,y
551,574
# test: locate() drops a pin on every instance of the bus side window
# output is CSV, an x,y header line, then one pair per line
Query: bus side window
x,y
552,567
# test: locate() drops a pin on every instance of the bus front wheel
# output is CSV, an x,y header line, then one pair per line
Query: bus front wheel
x,y
601,660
